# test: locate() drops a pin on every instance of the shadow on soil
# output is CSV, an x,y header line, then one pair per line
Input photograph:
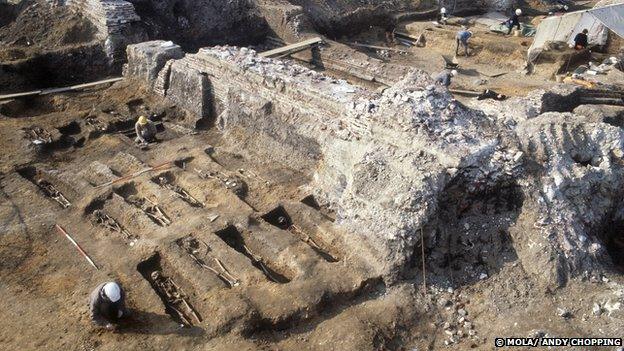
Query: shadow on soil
x,y
148,323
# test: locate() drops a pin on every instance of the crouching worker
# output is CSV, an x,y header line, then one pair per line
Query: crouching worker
x,y
145,131
107,305
462,39
444,78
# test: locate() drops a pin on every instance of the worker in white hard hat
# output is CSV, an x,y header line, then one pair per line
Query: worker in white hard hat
x,y
444,78
442,16
514,20
145,130
107,305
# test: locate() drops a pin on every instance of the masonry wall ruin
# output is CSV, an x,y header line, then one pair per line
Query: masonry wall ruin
x,y
293,115
196,23
117,23
391,179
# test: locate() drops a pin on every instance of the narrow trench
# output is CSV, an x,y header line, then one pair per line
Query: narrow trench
x,y
150,208
68,136
234,239
95,210
168,181
176,302
612,236
48,189
279,218
311,202
45,143
328,307
200,253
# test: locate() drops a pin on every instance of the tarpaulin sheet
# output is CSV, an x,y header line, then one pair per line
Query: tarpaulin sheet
x,y
556,28
597,35
527,30
612,17
565,27
490,19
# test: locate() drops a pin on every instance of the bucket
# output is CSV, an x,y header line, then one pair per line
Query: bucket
x,y
517,33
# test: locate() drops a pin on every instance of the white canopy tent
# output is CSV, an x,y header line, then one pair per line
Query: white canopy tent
x,y
565,27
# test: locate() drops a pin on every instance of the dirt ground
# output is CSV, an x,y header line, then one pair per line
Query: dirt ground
x,y
315,296
42,47
37,29
258,264
495,61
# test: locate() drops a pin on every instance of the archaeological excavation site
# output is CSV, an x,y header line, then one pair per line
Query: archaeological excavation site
x,y
311,174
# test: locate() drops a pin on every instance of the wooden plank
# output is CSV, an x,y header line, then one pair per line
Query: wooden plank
x,y
405,35
493,73
105,81
59,90
18,95
379,48
465,92
292,48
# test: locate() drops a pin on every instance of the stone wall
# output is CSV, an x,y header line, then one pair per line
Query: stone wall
x,y
152,56
460,7
363,163
407,162
197,23
116,23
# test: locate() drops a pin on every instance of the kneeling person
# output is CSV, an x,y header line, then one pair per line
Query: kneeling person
x,y
444,78
107,305
145,130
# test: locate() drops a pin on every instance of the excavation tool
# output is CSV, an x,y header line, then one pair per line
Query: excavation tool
x,y
450,62
422,253
191,246
77,246
174,297
138,173
465,92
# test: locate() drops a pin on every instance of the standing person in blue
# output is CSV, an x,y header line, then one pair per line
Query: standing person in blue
x,y
462,38
514,21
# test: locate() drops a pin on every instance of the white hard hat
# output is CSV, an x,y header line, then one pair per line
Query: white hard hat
x,y
454,72
518,12
565,7
112,291
443,10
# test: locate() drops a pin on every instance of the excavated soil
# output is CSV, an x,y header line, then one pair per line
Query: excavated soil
x,y
45,46
38,28
282,291
258,262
